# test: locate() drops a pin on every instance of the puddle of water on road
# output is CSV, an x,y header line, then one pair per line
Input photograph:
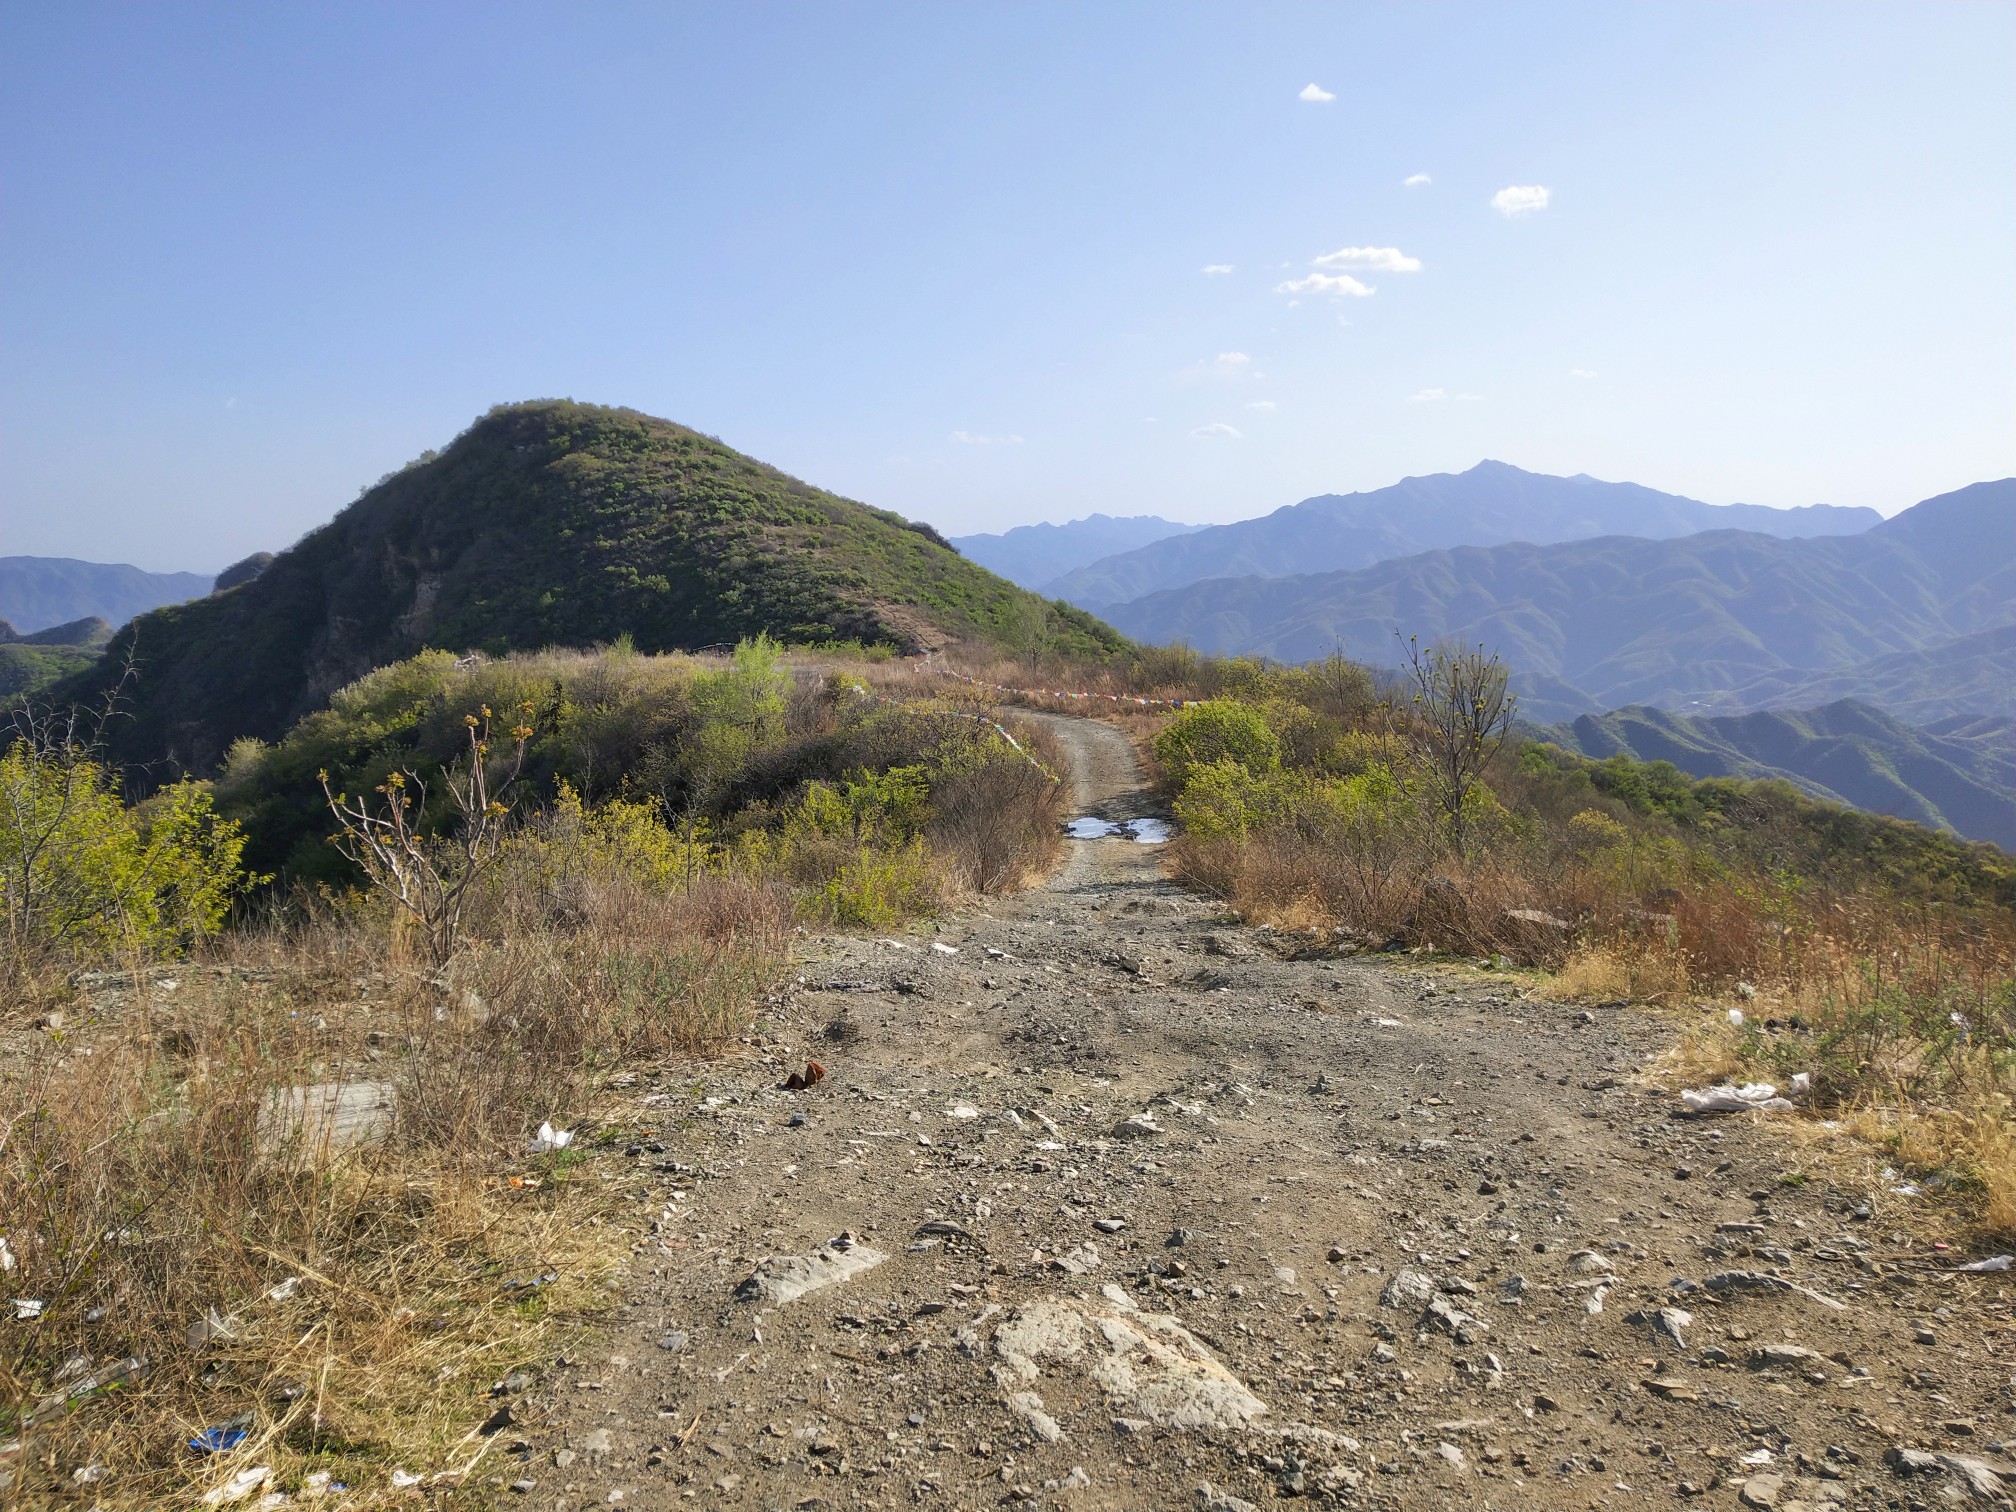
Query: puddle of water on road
x,y
1140,831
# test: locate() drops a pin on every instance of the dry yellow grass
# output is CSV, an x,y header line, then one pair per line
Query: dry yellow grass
x,y
349,1310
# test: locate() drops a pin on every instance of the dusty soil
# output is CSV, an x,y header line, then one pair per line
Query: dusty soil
x,y
1387,1237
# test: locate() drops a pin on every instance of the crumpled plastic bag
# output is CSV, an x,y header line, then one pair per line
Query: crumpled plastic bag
x,y
550,1138
1746,1098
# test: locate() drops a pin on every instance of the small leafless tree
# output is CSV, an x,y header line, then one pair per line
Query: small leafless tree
x,y
429,877
1464,710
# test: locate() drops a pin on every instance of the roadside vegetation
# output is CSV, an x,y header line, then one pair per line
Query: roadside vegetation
x,y
1407,813
271,1167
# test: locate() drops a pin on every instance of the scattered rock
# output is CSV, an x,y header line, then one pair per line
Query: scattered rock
x,y
1211,1499
785,1278
1762,1490
1149,1364
1137,1126
1408,1290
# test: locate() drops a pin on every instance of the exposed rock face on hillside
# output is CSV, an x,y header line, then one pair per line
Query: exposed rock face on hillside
x,y
552,523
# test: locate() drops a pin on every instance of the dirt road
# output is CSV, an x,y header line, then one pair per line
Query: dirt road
x,y
1139,1214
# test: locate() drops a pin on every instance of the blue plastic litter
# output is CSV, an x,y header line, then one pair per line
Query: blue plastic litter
x,y
217,1440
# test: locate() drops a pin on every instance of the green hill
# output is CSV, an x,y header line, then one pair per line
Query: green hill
x,y
554,523
1960,777
30,663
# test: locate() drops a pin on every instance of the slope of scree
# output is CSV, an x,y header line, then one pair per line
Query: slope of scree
x,y
552,523
1135,1203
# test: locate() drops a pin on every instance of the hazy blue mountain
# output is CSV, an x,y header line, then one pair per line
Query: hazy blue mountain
x,y
1961,777
37,592
1492,504
1033,555
1696,621
1962,678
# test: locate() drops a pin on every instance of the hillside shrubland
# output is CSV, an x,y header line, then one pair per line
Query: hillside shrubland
x,y
190,981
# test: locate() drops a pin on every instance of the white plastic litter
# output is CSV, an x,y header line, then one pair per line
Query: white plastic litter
x,y
1744,1099
1736,1017
550,1138
943,949
240,1486
27,1309
6,1255
1758,1457
401,1479
1992,1263
285,1291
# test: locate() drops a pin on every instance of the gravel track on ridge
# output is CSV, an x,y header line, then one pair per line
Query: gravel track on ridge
x,y
1350,1256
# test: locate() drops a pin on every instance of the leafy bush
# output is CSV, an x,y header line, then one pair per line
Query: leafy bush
x,y
1218,730
82,874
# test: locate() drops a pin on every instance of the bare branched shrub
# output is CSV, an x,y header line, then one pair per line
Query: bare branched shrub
x,y
428,876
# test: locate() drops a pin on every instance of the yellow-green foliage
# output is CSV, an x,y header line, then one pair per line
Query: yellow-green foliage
x,y
617,841
81,872
1220,729
879,888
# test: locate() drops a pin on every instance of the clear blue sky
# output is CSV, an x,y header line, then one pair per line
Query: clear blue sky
x,y
948,258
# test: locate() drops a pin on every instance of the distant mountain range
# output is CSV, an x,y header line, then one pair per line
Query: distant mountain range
x,y
1724,619
38,592
1492,504
1035,555
1958,775
551,524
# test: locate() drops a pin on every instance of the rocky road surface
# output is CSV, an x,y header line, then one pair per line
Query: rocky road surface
x,y
1103,1202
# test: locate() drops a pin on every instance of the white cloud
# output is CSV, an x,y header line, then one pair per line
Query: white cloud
x,y
1520,199
1323,283
1262,404
1415,181
1233,362
1217,430
1438,396
968,438
1216,269
1370,259
1315,94
1580,373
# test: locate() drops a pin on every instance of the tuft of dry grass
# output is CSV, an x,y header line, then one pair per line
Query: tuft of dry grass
x,y
349,1307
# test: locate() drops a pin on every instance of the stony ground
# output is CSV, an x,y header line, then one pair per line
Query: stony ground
x,y
1106,1202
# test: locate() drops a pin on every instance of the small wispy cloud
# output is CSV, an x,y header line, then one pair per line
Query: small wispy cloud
x,y
1217,430
1233,362
1580,373
1439,396
1368,259
1415,181
1520,199
970,438
1216,270
1262,404
1315,94
1324,283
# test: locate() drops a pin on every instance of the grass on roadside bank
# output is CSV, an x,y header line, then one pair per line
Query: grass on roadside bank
x,y
347,1308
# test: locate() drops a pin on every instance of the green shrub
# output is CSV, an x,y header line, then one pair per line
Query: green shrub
x,y
82,874
1220,729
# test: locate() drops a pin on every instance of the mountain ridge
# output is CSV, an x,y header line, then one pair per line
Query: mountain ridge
x,y
37,593
1032,555
1962,780
1597,624
1492,503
